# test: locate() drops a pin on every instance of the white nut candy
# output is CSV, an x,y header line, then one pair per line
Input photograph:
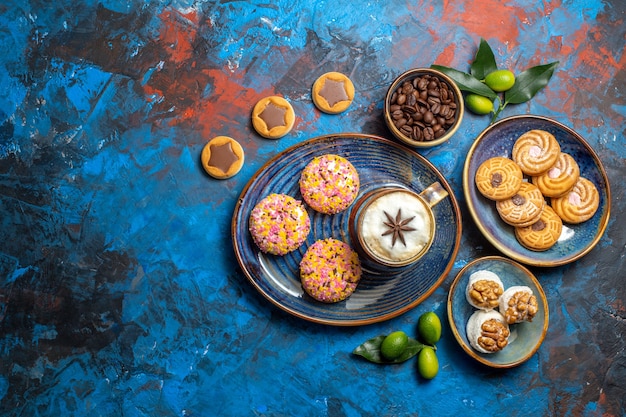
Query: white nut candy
x,y
484,289
518,304
487,331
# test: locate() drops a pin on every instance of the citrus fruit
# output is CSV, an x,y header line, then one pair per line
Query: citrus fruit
x,y
427,363
500,80
429,328
394,345
478,104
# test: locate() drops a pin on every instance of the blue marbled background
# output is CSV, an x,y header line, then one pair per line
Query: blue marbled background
x,y
119,289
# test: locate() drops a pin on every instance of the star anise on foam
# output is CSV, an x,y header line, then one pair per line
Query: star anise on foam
x,y
397,226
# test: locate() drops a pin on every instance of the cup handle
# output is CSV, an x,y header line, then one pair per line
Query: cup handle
x,y
433,194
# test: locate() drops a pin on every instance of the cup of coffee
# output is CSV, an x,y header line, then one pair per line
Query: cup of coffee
x,y
395,226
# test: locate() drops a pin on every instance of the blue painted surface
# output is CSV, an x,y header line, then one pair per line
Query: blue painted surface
x,y
119,290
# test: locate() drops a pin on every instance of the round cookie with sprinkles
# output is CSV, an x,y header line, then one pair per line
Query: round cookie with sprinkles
x,y
329,184
330,270
333,92
279,224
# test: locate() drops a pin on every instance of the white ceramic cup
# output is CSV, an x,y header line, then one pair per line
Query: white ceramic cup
x,y
396,226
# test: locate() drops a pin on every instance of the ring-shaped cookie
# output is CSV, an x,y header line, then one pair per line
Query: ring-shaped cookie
x,y
498,178
579,204
333,92
273,117
222,157
560,178
536,151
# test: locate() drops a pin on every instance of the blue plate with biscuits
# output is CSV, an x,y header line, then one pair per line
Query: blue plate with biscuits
x,y
576,240
382,292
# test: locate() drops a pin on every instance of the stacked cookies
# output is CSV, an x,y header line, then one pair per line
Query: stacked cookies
x,y
521,186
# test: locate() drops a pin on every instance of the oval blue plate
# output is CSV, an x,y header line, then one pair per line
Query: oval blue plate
x,y
525,337
576,240
382,293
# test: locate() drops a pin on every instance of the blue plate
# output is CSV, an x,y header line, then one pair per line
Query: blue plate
x,y
382,293
525,337
576,240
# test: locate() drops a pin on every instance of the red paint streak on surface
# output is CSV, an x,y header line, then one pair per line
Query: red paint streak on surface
x,y
598,59
446,57
179,32
228,109
212,101
556,44
588,79
486,19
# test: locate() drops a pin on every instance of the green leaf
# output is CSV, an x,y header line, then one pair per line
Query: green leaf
x,y
484,62
529,82
466,82
370,350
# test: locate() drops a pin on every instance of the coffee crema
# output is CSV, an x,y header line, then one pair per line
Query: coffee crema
x,y
396,227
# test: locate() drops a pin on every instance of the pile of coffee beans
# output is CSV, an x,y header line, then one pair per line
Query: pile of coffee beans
x,y
423,108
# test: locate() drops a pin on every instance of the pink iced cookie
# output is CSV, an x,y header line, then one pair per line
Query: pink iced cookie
x,y
329,184
279,224
330,270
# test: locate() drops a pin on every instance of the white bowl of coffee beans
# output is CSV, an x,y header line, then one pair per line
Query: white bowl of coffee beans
x,y
423,107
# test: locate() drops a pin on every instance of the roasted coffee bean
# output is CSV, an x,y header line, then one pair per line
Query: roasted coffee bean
x,y
417,133
429,134
423,108
406,130
409,109
411,100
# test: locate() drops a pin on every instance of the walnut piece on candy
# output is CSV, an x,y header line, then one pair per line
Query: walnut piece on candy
x,y
488,331
484,289
518,304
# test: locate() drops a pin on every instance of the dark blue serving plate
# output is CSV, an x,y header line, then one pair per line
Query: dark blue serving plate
x,y
383,292
576,240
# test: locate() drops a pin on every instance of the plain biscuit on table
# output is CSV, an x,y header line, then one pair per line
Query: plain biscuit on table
x,y
273,117
332,92
222,157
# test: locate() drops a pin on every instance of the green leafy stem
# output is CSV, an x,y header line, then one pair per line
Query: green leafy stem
x,y
370,350
527,83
